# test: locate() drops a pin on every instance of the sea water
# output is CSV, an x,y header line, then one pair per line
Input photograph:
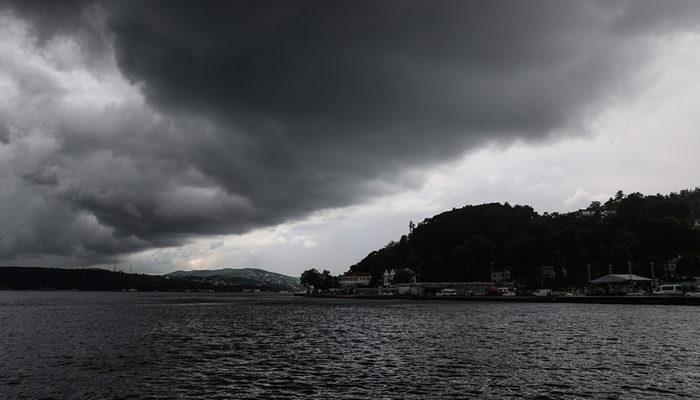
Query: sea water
x,y
85,345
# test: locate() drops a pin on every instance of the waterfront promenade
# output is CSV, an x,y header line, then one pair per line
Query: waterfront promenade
x,y
655,300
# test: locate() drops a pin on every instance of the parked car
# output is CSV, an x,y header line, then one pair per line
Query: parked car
x,y
694,293
636,293
542,293
502,291
668,290
446,292
508,294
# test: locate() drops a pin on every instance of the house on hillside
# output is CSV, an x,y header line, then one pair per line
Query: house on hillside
x,y
671,265
501,276
547,272
584,213
607,213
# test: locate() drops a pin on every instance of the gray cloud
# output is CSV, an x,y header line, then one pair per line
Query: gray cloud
x,y
261,112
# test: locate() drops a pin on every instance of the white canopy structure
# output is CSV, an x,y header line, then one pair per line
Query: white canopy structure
x,y
619,278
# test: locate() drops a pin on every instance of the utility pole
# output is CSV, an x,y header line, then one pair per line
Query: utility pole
x,y
664,248
588,275
629,269
588,272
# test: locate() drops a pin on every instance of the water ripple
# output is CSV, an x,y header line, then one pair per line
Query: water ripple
x,y
192,346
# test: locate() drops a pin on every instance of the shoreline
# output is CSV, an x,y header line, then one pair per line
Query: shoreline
x,y
637,300
641,300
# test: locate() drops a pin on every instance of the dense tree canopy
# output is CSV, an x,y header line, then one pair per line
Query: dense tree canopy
x,y
464,243
318,280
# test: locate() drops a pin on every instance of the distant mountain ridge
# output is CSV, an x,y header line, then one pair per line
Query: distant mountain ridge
x,y
224,280
242,276
36,278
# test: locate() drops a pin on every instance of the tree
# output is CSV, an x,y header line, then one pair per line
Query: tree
x,y
631,209
481,252
402,275
688,266
620,256
460,260
595,206
559,263
581,266
311,278
462,243
601,260
327,280
619,196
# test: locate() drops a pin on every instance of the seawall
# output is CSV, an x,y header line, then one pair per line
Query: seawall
x,y
649,300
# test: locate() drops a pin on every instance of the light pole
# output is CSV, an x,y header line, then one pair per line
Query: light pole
x,y
663,249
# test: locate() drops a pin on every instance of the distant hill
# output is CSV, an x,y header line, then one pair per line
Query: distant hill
x,y
248,278
464,244
30,278
226,280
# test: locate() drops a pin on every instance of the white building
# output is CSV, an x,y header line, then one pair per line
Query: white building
x,y
390,274
547,272
354,279
501,276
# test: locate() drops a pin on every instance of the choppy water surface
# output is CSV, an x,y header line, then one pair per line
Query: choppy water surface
x,y
68,345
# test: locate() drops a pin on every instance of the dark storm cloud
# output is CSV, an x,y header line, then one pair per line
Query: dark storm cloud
x,y
51,17
270,110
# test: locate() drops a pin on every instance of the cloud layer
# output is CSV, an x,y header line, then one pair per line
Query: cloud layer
x,y
133,125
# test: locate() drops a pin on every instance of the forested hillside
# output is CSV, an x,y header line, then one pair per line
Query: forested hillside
x,y
462,244
243,278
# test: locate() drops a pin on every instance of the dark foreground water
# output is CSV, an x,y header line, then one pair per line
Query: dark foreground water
x,y
67,345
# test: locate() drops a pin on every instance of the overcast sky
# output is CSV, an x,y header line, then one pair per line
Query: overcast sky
x,y
283,135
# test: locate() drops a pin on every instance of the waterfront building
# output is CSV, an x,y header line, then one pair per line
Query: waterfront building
x,y
405,275
388,276
354,279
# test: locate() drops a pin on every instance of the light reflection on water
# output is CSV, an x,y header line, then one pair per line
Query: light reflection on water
x,y
213,346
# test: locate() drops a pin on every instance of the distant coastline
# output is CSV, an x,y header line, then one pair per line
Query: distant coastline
x,y
39,278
